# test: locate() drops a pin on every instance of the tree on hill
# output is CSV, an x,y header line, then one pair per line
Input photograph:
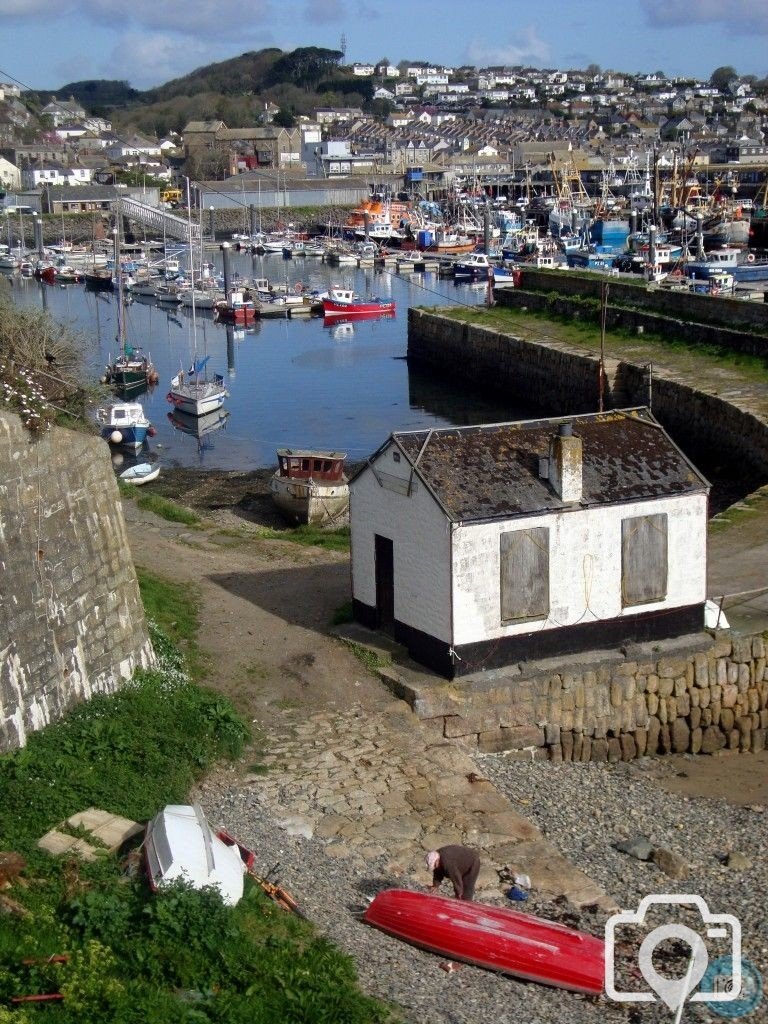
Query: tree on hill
x,y
720,77
240,76
98,93
305,67
284,119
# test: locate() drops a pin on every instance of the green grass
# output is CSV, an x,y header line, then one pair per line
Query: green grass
x,y
176,957
161,506
174,607
369,658
740,513
314,536
583,332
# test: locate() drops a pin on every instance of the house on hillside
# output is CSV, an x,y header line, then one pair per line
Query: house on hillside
x,y
489,545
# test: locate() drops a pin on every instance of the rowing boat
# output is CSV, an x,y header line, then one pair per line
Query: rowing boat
x,y
502,940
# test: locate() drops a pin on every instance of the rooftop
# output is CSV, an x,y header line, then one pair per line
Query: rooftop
x,y
487,472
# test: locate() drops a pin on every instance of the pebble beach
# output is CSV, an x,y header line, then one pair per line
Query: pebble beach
x,y
582,809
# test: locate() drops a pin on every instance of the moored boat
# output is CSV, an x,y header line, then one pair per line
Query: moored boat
x,y
521,945
123,423
310,486
347,303
194,393
744,266
236,309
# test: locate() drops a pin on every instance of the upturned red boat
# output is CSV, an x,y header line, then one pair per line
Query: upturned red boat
x,y
502,940
345,302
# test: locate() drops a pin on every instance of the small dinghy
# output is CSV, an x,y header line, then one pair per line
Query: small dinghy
x,y
142,473
503,940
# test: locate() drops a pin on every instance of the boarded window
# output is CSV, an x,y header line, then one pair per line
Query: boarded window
x,y
525,574
643,559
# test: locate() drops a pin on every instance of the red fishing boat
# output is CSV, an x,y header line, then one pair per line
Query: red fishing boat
x,y
502,940
237,309
347,303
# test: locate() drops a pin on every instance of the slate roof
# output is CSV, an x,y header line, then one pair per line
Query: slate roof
x,y
491,472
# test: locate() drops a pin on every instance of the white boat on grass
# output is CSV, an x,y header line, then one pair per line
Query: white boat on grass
x,y
180,844
141,473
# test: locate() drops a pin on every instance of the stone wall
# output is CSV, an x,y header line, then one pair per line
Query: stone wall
x,y
71,618
682,309
564,381
698,694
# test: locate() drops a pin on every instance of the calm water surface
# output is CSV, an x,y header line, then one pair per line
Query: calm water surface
x,y
295,382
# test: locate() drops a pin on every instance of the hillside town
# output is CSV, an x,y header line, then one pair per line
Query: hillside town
x,y
457,125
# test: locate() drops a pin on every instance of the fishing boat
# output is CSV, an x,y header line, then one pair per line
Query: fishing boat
x,y
124,424
141,473
237,308
477,265
180,844
347,303
502,940
744,266
310,486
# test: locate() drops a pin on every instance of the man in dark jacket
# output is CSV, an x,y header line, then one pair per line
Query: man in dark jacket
x,y
458,863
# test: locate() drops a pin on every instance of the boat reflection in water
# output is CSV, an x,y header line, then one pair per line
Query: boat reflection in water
x,y
341,332
200,427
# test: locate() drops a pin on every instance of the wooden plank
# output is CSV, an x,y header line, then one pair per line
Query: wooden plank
x,y
644,566
524,574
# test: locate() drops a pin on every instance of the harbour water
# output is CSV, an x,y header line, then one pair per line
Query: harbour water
x,y
292,382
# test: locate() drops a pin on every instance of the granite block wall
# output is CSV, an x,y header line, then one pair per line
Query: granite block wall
x,y
697,696
71,618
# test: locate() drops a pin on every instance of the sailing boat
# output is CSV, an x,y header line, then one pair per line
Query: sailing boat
x,y
132,371
193,391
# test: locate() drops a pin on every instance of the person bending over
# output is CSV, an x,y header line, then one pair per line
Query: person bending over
x,y
458,863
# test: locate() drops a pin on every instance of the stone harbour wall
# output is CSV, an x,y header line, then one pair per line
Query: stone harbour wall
x,y
684,311
696,695
71,618
565,381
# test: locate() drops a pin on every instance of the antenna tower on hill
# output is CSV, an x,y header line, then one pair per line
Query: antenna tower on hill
x,y
343,46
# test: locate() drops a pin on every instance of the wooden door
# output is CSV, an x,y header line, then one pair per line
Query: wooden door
x,y
385,583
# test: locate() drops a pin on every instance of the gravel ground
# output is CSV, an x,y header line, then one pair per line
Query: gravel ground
x,y
582,809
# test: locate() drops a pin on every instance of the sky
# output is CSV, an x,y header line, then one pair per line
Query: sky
x,y
45,45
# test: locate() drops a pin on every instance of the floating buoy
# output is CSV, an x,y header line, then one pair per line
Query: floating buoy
x,y
115,437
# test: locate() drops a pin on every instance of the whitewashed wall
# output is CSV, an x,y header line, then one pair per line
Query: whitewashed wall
x,y
585,567
421,536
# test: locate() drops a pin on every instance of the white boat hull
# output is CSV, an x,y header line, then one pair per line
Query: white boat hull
x,y
303,501
197,399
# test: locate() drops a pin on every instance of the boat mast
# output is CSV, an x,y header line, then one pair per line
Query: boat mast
x,y
192,276
119,281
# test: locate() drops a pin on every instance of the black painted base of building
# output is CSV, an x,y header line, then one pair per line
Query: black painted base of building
x,y
546,643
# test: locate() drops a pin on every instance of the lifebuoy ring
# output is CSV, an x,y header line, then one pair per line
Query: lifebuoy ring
x,y
750,257
298,287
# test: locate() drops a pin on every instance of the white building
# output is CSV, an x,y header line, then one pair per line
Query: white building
x,y
481,546
38,175
363,70
10,175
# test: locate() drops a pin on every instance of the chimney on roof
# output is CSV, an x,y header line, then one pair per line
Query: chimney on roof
x,y
565,464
